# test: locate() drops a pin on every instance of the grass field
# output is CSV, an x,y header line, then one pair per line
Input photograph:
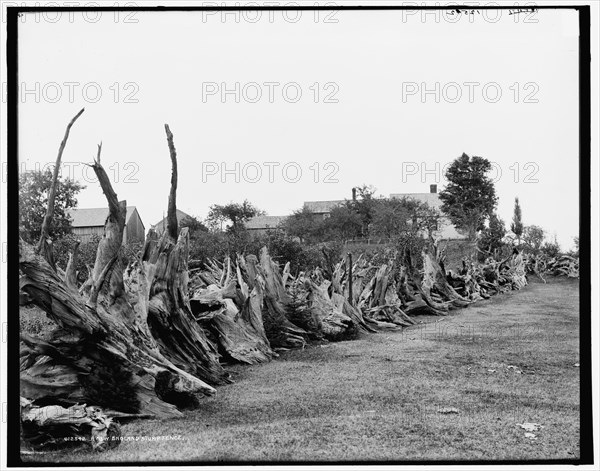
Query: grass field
x,y
501,362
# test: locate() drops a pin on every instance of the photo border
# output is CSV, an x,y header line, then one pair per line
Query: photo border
x,y
585,338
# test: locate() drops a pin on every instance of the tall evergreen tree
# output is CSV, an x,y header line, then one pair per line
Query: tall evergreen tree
x,y
491,238
469,198
517,223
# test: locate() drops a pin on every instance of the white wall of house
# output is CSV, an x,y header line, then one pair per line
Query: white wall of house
x,y
447,230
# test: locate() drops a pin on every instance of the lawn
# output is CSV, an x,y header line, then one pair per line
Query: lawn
x,y
451,388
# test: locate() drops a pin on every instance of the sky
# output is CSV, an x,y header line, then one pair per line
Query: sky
x,y
286,107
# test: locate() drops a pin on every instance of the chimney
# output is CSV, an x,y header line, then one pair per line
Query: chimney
x,y
354,194
432,188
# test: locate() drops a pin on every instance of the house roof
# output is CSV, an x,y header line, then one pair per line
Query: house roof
x,y
264,222
163,222
321,207
432,199
94,217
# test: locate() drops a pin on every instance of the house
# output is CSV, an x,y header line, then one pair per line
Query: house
x,y
445,229
89,222
259,225
161,225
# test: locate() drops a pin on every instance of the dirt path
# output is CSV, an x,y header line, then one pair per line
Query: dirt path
x,y
453,389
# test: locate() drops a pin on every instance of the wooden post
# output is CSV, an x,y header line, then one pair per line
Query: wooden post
x,y
350,298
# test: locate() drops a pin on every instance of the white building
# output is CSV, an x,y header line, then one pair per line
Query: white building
x,y
445,228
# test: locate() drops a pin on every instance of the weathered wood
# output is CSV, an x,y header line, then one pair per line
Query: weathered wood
x,y
281,332
172,223
70,271
335,324
434,278
232,315
107,254
58,426
243,338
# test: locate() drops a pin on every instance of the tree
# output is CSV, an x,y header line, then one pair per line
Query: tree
x,y
576,243
304,224
469,197
194,225
517,224
86,254
551,248
392,217
533,237
344,222
34,188
491,237
206,246
365,206
235,213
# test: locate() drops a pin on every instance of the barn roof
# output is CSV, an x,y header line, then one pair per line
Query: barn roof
x,y
320,207
94,217
264,222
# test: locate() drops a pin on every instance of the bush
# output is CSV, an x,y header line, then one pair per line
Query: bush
x,y
208,245
87,254
283,248
409,246
302,257
551,249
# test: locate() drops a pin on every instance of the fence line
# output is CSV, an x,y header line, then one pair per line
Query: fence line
x,y
384,240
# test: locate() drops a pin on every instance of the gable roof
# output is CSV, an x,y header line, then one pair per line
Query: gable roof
x,y
264,222
94,217
163,222
321,207
432,199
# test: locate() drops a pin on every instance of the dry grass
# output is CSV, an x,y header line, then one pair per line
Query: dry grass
x,y
377,398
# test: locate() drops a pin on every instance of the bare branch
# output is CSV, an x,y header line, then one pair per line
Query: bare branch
x,y
104,180
43,242
71,270
172,228
99,152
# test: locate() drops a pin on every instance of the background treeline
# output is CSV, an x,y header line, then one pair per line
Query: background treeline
x,y
308,240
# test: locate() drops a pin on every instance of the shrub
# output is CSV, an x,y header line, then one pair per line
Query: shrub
x,y
551,249
87,253
409,246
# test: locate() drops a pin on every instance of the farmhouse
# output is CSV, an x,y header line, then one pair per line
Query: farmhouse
x,y
445,229
89,222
